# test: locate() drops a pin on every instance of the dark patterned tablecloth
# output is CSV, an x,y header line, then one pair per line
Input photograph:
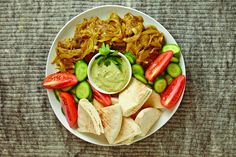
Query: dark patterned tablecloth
x,y
204,125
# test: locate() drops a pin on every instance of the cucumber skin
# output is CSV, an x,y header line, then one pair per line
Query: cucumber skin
x,y
130,57
57,95
137,69
62,111
141,78
75,98
90,97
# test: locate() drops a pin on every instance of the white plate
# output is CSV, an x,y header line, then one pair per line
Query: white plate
x,y
103,12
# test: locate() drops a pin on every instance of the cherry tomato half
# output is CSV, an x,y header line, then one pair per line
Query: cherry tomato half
x,y
69,108
104,99
171,95
59,80
158,66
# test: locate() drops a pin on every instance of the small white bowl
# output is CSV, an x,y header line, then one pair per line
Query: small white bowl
x,y
101,90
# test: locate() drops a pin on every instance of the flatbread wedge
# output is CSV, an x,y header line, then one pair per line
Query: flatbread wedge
x,y
129,130
111,117
88,118
97,104
154,101
146,119
128,141
133,97
114,100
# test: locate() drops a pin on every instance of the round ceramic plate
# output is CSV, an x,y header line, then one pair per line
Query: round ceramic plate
x,y
68,30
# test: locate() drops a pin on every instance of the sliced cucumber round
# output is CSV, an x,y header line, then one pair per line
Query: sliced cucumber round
x,y
81,68
130,57
174,60
83,90
174,70
137,69
160,84
140,78
175,48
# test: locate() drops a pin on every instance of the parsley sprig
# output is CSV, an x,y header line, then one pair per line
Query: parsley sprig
x,y
108,56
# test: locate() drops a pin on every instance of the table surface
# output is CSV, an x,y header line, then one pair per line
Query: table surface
x,y
204,124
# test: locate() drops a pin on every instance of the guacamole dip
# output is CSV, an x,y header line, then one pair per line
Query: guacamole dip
x,y
110,78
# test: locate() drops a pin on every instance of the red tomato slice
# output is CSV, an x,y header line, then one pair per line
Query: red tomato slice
x,y
69,108
59,80
158,66
171,95
104,99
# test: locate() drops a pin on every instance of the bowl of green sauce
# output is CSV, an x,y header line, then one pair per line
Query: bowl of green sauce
x,y
109,78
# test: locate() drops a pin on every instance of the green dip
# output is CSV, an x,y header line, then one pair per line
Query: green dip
x,y
110,78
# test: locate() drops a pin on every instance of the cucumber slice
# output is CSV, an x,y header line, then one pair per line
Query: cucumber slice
x,y
174,60
174,70
168,78
160,84
81,70
67,89
57,94
76,99
175,48
83,90
140,78
137,69
130,57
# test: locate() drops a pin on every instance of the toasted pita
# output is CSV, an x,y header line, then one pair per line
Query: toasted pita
x,y
153,101
129,130
133,97
88,118
114,100
111,119
146,118
128,141
97,104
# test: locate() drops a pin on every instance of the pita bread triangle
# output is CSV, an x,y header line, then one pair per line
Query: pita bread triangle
x,y
111,117
88,118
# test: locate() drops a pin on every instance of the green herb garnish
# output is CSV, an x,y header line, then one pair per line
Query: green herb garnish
x,y
108,56
105,49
